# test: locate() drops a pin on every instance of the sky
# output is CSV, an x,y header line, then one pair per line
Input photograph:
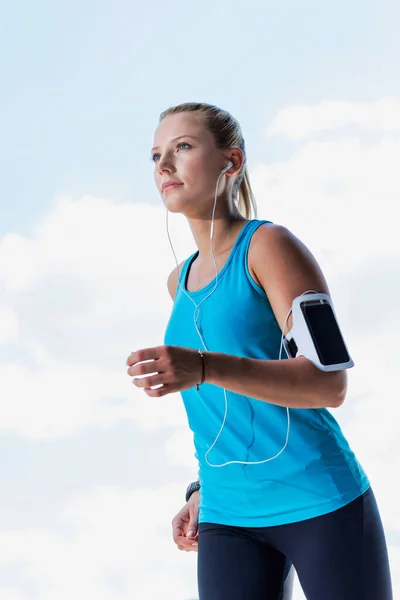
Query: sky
x,y
92,470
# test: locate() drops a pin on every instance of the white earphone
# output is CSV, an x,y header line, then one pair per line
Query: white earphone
x,y
240,462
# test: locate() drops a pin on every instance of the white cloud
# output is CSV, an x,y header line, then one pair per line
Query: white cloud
x,y
338,196
297,590
89,287
61,400
394,558
8,326
179,449
299,122
9,594
112,545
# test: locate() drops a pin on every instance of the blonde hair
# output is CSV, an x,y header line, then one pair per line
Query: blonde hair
x,y
227,134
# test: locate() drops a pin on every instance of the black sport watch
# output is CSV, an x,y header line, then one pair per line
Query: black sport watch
x,y
192,487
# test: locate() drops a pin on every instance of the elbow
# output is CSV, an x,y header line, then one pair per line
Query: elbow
x,y
329,389
338,388
337,401
324,389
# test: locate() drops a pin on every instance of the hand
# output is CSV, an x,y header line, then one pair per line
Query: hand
x,y
186,521
176,368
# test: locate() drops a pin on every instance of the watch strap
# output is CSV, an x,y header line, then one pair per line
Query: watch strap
x,y
192,487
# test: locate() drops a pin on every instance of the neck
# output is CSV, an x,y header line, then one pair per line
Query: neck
x,y
226,230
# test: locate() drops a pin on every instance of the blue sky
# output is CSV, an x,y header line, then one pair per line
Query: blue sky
x,y
83,458
83,82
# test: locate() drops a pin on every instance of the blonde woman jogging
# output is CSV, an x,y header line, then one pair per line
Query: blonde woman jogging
x,y
279,486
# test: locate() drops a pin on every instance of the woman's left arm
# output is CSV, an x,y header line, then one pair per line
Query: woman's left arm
x,y
285,269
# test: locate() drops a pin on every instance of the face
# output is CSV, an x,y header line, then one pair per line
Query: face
x,y
185,153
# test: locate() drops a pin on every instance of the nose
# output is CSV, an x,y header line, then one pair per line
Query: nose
x,y
165,166
165,163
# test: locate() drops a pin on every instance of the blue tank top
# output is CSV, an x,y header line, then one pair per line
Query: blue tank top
x,y
316,473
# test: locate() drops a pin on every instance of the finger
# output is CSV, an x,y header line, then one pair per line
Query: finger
x,y
182,540
141,355
178,529
189,549
132,359
188,541
191,530
185,544
192,534
147,382
159,392
146,368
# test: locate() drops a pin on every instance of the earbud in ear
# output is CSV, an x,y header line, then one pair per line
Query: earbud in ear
x,y
228,166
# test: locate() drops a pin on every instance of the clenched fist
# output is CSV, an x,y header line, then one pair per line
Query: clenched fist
x,y
185,525
175,367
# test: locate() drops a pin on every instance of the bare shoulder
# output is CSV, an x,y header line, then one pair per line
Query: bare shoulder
x,y
172,282
284,267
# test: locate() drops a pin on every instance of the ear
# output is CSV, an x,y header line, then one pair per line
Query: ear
x,y
236,157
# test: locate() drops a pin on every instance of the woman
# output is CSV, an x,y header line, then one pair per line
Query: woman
x,y
269,501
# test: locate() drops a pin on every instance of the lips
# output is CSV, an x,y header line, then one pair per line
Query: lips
x,y
167,184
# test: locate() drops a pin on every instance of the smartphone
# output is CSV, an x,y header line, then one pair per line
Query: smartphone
x,y
325,332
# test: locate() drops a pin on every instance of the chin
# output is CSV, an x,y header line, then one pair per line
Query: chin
x,y
175,205
174,209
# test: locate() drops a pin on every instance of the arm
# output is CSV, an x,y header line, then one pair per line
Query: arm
x,y
285,269
295,383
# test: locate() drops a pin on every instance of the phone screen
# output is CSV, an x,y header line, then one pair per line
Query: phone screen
x,y
325,333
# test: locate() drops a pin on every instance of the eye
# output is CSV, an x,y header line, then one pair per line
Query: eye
x,y
155,156
183,144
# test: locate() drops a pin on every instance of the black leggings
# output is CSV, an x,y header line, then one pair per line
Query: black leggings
x,y
338,556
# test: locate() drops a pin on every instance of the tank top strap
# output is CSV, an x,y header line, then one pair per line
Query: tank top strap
x,y
244,243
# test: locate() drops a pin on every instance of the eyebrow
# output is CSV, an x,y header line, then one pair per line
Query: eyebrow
x,y
177,138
